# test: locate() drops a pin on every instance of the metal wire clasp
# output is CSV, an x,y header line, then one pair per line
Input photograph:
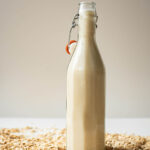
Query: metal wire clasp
x,y
74,24
96,18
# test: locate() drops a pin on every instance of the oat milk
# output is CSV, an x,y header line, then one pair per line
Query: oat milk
x,y
86,87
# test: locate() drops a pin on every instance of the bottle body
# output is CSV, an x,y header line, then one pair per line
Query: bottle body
x,y
85,93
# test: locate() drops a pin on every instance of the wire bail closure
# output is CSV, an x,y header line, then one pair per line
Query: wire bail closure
x,y
74,24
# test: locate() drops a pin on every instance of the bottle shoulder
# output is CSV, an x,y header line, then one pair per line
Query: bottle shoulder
x,y
87,57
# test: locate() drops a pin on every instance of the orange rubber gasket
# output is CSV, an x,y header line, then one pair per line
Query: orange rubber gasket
x,y
67,48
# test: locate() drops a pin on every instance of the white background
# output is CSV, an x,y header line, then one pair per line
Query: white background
x,y
33,62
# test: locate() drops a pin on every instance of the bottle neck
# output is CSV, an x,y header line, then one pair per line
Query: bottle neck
x,y
87,25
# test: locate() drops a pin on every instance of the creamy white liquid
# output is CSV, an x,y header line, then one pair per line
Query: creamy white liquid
x,y
86,90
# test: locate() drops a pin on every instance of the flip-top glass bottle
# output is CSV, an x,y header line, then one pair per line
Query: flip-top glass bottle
x,y
86,87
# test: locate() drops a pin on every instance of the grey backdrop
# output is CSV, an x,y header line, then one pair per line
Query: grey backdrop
x,y
33,62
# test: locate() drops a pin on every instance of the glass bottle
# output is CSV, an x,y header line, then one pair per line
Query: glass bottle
x,y
86,87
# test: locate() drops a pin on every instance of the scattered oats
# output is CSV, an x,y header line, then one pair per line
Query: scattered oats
x,y
30,138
